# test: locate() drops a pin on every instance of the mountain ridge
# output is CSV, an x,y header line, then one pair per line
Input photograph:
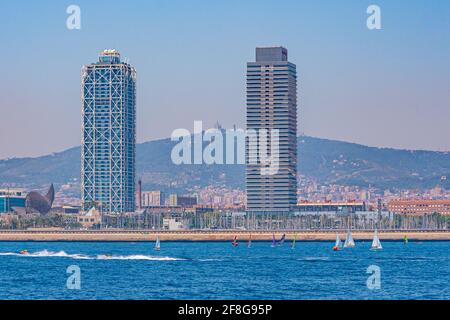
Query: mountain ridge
x,y
323,160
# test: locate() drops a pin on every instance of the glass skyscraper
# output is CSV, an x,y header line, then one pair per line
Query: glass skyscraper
x,y
272,104
108,134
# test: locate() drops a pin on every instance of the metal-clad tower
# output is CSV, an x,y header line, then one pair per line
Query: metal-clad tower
x,y
108,134
272,104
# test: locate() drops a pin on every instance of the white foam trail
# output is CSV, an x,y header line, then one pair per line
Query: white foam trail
x,y
63,254
211,259
46,253
137,257
314,258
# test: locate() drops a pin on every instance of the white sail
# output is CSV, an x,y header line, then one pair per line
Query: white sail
x,y
376,244
157,244
349,242
338,241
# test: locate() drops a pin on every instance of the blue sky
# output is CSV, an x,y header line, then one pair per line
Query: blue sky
x,y
386,87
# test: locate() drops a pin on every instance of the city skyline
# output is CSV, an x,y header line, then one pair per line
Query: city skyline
x,y
209,153
360,86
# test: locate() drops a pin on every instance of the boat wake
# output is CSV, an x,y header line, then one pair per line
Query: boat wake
x,y
314,259
46,253
62,254
137,257
210,259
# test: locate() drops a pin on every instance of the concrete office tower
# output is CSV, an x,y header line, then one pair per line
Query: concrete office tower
x,y
108,134
272,104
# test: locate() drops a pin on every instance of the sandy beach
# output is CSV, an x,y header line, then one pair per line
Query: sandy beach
x,y
219,235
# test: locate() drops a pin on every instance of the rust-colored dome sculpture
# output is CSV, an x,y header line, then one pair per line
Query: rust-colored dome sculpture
x,y
37,202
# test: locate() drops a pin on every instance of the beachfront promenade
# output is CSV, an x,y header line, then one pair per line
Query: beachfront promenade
x,y
209,235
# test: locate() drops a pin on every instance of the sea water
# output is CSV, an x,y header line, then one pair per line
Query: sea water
x,y
217,270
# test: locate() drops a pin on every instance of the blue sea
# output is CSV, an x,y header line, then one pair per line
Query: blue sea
x,y
216,270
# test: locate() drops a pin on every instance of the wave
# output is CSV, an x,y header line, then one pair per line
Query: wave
x,y
62,254
314,258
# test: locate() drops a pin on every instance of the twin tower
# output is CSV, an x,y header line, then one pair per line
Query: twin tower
x,y
108,149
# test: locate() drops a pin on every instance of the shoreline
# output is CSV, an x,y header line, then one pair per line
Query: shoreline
x,y
211,236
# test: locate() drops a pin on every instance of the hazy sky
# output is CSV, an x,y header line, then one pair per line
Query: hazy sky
x,y
388,87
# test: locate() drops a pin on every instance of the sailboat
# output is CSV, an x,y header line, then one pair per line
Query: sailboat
x,y
277,243
338,244
274,242
157,244
293,241
349,242
234,243
376,244
281,241
249,244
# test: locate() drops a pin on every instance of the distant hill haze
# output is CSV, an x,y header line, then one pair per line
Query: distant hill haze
x,y
325,161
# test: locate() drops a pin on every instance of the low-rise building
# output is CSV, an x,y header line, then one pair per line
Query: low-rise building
x,y
10,199
328,206
420,207
174,224
89,219
152,199
65,209
182,201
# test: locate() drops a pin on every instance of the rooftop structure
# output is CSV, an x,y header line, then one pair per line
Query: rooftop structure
x,y
12,192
